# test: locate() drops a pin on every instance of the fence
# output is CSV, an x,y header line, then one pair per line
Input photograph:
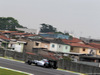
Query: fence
x,y
63,64
77,67
20,56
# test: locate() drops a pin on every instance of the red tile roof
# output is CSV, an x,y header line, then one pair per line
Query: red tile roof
x,y
80,45
19,33
95,45
74,40
9,31
30,53
4,37
30,35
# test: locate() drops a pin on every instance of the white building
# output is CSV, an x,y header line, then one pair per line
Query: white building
x,y
17,46
33,31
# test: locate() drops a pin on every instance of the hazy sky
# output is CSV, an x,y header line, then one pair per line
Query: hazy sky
x,y
80,17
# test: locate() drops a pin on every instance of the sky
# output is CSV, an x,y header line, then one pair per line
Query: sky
x,y
81,18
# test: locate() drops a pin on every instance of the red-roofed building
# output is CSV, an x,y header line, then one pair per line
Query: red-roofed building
x,y
4,41
97,46
82,48
8,33
4,38
79,47
19,35
74,40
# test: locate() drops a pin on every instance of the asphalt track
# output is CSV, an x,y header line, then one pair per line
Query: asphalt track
x,y
36,70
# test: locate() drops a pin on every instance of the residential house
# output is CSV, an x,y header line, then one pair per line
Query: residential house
x,y
17,46
82,48
8,33
78,46
4,41
96,46
57,45
34,44
18,35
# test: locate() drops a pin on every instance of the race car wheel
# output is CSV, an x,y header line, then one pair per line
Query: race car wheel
x,y
36,64
29,62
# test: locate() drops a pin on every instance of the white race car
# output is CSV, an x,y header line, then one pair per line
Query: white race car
x,y
43,63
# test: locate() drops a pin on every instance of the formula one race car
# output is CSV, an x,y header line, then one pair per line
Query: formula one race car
x,y
44,63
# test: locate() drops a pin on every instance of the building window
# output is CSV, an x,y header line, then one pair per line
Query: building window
x,y
99,51
83,49
66,47
71,48
53,45
59,46
37,44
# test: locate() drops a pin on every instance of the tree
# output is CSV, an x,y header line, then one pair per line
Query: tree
x,y
9,23
47,28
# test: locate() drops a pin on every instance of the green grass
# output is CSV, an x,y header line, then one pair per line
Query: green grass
x,y
10,72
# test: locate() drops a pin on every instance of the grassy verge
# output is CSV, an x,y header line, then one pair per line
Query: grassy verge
x,y
10,72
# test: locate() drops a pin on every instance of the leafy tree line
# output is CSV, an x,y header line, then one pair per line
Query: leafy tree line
x,y
49,28
45,28
9,23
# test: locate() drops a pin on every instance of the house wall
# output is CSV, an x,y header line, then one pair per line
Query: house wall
x,y
19,47
75,49
53,48
29,46
35,44
45,45
92,51
65,50
97,52
86,50
80,50
60,47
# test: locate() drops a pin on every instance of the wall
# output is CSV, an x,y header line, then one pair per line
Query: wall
x,y
62,64
60,47
19,47
78,67
53,48
29,46
45,45
86,50
80,50
37,46
97,52
66,50
75,49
